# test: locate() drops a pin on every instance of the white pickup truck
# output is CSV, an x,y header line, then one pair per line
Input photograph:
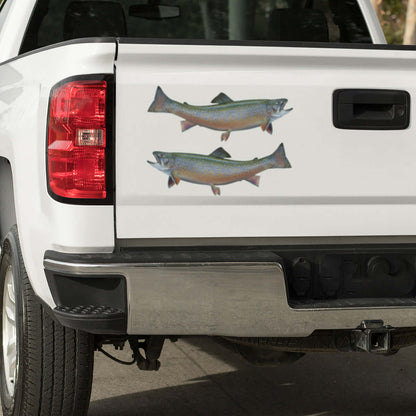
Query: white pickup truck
x,y
241,169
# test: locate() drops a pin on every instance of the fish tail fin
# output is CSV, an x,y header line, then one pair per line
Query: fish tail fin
x,y
279,158
160,102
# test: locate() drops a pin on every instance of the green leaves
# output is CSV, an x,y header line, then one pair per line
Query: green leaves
x,y
393,19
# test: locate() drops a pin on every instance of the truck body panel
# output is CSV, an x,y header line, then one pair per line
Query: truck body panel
x,y
25,86
373,24
14,27
338,178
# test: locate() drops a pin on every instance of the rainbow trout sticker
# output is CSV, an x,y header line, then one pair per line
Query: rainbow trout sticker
x,y
225,115
216,168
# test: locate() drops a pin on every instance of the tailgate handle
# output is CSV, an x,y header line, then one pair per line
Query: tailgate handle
x,y
371,109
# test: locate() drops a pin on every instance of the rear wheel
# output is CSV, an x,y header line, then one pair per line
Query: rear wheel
x,y
45,369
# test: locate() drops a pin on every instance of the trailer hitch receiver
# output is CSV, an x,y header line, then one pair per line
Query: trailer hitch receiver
x,y
373,336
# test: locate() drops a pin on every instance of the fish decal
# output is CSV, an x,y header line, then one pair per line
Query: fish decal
x,y
225,115
216,168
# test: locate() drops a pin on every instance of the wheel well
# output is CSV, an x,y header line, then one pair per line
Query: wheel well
x,y
7,208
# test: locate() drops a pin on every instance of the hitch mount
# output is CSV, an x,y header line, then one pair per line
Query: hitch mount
x,y
373,336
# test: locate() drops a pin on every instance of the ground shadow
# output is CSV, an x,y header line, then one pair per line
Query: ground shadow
x,y
318,384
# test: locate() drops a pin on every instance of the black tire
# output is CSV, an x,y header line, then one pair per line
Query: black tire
x,y
55,364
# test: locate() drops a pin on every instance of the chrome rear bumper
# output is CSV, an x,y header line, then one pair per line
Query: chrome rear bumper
x,y
244,298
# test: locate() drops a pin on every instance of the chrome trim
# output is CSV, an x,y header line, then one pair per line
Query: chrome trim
x,y
233,299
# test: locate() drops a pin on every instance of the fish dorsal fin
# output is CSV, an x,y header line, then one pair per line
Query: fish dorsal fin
x,y
222,98
220,153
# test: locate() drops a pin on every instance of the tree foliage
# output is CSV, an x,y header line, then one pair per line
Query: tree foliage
x,y
393,19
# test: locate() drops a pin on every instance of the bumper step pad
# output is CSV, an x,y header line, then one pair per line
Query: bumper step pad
x,y
92,318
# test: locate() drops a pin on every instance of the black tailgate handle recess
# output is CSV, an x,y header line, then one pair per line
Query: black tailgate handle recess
x,y
371,109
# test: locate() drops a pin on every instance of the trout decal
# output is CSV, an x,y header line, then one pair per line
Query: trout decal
x,y
216,168
225,115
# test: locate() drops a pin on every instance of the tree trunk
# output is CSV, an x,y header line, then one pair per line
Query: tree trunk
x,y
410,32
377,7
206,19
238,19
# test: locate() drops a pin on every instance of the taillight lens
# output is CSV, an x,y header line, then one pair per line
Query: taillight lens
x,y
77,140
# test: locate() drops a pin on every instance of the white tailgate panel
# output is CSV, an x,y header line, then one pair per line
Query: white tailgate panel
x,y
342,182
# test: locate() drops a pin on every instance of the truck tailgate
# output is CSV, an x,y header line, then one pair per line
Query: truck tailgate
x,y
341,182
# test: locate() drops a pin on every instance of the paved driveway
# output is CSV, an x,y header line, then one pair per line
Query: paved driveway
x,y
199,377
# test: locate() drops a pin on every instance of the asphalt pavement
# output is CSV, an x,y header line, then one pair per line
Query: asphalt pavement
x,y
200,377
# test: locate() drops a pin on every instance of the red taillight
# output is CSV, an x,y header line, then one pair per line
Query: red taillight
x,y
77,140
